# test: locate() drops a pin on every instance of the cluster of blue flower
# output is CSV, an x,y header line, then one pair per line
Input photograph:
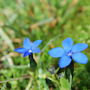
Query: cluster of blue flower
x,y
66,54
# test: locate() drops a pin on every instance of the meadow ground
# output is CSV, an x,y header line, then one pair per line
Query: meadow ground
x,y
51,21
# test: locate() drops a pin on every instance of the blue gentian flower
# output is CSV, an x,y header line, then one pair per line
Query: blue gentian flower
x,y
69,52
29,47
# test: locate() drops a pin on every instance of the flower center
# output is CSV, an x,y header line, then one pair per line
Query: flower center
x,y
70,53
30,51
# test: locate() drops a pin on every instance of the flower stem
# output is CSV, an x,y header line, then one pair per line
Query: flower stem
x,y
33,63
70,70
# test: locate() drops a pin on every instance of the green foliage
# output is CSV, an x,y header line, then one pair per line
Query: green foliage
x,y
49,20
65,85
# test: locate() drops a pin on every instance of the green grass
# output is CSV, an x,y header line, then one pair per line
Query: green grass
x,y
49,20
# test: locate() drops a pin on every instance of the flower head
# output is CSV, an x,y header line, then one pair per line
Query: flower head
x,y
29,47
69,52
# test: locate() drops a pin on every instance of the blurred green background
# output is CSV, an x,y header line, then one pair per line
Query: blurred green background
x,y
51,21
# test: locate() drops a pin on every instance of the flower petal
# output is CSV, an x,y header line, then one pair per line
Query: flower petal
x,y
67,44
56,52
64,61
26,54
27,43
20,50
36,43
36,50
80,58
79,47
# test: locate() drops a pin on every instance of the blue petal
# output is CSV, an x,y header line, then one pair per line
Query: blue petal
x,y
56,52
27,43
20,50
79,47
36,43
26,54
36,50
67,44
80,58
64,61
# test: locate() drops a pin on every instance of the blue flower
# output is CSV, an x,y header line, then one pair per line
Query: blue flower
x,y
29,47
69,52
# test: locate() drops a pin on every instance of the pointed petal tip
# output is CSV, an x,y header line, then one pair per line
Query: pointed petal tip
x,y
56,52
27,43
36,44
26,54
36,50
67,44
40,41
26,39
14,50
20,50
64,61
79,47
85,62
86,45
80,58
68,39
61,65
23,55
